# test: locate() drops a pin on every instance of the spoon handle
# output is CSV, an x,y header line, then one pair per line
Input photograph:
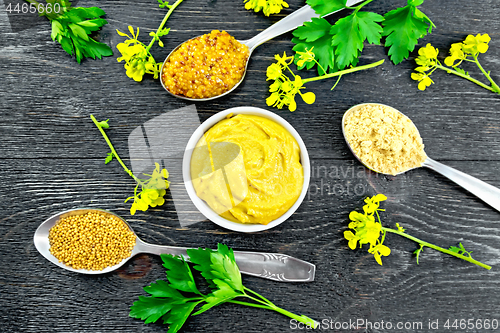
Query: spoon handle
x,y
484,191
288,23
272,266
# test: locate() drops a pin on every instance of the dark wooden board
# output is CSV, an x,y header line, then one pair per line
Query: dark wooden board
x,y
52,159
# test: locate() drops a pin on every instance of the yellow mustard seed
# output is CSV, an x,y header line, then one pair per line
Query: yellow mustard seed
x,y
205,66
91,241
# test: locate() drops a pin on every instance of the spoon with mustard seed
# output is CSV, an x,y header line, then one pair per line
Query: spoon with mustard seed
x,y
272,266
194,80
386,141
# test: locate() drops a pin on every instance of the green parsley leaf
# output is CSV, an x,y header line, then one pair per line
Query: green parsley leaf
x,y
150,309
312,30
224,267
223,294
179,274
415,2
403,28
323,7
349,34
72,30
178,315
425,18
315,34
162,289
369,28
202,262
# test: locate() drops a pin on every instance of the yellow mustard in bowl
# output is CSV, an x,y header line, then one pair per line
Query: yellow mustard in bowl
x,y
247,169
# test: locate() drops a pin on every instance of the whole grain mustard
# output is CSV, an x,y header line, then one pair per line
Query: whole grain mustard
x,y
205,66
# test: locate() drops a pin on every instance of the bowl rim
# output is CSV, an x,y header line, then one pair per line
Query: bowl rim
x,y
202,205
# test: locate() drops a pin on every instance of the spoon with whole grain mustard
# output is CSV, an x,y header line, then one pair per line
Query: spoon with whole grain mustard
x,y
288,23
272,266
362,143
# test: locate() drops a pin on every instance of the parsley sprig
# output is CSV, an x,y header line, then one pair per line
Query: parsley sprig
x,y
153,188
174,301
340,45
71,28
137,56
368,230
466,51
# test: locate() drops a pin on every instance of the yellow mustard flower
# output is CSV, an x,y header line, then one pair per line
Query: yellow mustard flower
x,y
476,44
138,60
423,79
352,238
273,72
366,230
284,88
268,7
456,53
305,57
372,204
283,60
378,251
427,56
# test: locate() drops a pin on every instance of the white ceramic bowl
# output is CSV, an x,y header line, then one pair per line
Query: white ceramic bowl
x,y
202,205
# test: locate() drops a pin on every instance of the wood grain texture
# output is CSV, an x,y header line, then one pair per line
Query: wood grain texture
x,y
52,159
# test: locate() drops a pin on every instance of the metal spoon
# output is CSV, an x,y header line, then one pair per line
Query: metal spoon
x,y
272,266
290,22
484,191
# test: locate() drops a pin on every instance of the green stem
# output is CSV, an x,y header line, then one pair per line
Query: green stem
x,y
303,319
479,83
267,304
319,65
495,87
251,304
345,71
432,246
257,294
338,80
357,8
115,154
259,300
270,306
170,10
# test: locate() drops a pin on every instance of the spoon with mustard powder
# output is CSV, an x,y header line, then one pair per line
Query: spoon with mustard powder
x,y
386,141
96,241
213,65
